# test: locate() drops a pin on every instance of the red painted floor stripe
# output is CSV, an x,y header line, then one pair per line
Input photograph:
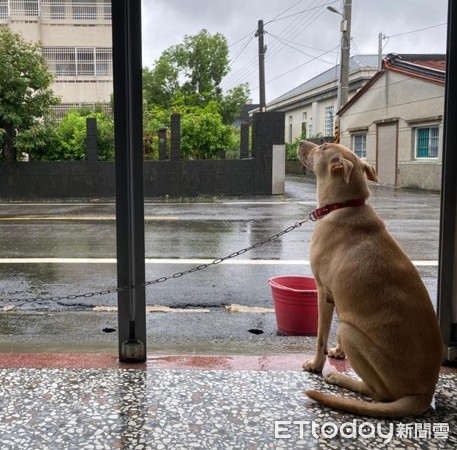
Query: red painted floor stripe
x,y
289,362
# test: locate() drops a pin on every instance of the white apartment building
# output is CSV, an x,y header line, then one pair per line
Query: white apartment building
x,y
76,40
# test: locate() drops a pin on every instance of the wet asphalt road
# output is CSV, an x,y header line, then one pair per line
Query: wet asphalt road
x,y
39,243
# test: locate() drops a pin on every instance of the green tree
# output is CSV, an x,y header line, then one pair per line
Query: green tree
x,y
161,83
71,134
231,103
25,93
190,74
204,133
203,60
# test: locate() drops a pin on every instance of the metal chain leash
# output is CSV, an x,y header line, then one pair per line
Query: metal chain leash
x,y
163,279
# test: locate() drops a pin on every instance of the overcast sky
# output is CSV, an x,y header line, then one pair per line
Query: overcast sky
x,y
302,37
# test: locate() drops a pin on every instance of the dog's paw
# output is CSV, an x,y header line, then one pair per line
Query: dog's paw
x,y
313,366
333,378
337,353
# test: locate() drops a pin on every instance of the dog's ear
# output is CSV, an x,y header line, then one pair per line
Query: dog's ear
x,y
342,166
369,171
304,153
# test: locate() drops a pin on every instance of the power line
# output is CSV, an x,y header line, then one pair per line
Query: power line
x,y
302,20
300,65
298,50
417,31
241,51
303,11
288,9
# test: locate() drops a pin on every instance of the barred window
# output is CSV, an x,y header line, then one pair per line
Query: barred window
x,y
23,8
57,9
79,61
427,142
84,9
360,145
4,9
328,120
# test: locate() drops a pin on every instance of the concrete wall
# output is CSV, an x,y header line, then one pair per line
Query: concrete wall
x,y
410,102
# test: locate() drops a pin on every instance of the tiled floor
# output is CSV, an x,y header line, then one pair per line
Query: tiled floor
x,y
76,401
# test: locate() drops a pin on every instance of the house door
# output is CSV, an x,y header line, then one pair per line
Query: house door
x,y
387,153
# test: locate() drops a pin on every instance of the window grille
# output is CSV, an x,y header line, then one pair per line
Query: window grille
x,y
328,120
360,145
60,110
427,142
80,10
4,9
24,8
56,9
79,61
84,9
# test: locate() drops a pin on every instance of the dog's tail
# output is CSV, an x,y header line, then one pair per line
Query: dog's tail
x,y
413,405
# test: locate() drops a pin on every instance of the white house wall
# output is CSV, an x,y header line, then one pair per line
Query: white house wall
x,y
410,101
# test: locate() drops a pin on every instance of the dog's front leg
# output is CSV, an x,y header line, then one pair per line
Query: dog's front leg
x,y
326,306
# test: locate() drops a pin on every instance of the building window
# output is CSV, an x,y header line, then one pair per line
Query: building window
x,y
427,142
4,9
57,9
79,61
360,145
84,9
328,120
75,9
23,7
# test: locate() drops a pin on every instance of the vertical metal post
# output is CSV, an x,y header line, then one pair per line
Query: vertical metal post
x,y
128,124
260,33
447,273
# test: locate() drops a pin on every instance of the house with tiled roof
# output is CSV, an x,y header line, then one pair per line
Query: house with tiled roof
x,y
396,120
310,108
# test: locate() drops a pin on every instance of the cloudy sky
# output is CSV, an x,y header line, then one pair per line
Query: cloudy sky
x,y
302,36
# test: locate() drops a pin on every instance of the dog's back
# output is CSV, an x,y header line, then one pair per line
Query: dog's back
x,y
388,327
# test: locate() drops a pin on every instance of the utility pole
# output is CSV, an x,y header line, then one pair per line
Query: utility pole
x,y
343,85
380,39
345,53
260,34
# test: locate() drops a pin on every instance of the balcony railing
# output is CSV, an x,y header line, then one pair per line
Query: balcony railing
x,y
79,61
73,10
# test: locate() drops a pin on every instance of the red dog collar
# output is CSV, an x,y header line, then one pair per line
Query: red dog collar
x,y
321,212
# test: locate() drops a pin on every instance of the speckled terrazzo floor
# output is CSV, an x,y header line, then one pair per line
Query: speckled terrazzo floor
x,y
174,403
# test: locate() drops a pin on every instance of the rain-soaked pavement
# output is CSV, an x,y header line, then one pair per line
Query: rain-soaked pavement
x,y
214,378
55,250
66,249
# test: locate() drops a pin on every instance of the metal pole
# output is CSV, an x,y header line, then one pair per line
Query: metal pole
x,y
128,121
447,271
260,34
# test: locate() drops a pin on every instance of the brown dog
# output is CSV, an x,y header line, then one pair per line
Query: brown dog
x,y
388,327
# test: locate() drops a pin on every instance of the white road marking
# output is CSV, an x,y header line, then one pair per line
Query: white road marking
x,y
177,261
77,218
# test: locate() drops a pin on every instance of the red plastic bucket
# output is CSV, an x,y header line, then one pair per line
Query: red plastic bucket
x,y
295,302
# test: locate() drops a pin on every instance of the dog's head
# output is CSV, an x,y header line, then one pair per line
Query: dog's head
x,y
337,169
